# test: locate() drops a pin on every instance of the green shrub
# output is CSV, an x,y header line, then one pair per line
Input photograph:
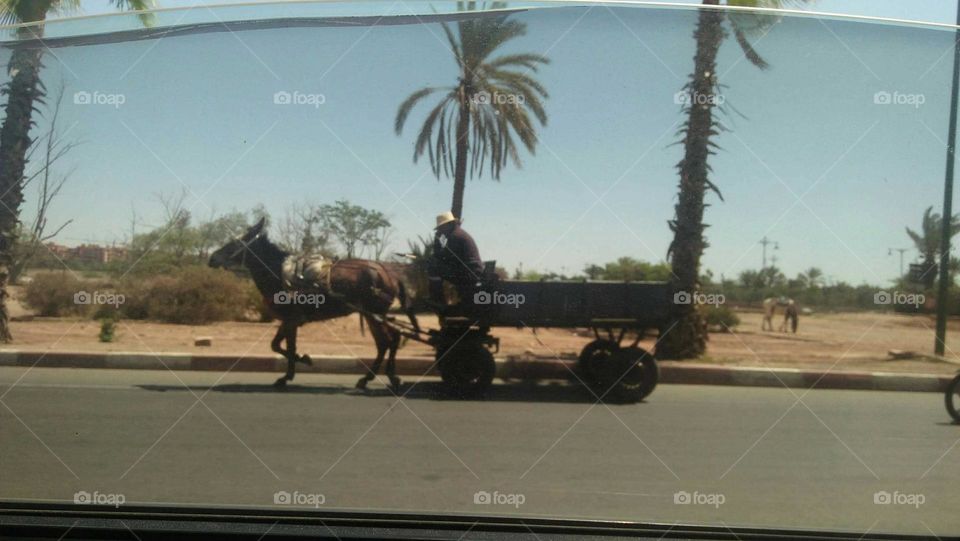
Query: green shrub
x,y
721,318
52,294
257,307
136,291
108,330
192,295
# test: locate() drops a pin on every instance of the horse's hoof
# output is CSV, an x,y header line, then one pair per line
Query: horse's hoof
x,y
361,383
395,384
280,383
305,359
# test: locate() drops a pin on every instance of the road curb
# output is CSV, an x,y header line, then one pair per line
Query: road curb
x,y
704,374
509,368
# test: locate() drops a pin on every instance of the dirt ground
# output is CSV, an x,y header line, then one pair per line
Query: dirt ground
x,y
845,341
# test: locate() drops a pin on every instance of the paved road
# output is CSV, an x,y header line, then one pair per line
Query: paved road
x,y
745,456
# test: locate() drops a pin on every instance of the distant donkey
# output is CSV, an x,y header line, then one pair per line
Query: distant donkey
x,y
348,286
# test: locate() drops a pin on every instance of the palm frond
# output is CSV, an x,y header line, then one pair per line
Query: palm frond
x,y
146,18
408,104
454,46
748,49
513,77
494,33
530,61
495,129
27,11
426,131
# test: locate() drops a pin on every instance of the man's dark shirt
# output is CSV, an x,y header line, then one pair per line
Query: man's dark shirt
x,y
456,256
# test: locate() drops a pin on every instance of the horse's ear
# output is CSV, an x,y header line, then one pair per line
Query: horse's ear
x,y
256,229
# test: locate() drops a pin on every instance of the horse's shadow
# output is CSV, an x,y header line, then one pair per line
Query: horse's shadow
x,y
426,390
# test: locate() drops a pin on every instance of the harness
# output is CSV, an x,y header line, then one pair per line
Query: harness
x,y
306,272
245,247
296,272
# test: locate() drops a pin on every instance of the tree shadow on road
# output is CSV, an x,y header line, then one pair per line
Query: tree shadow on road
x,y
426,390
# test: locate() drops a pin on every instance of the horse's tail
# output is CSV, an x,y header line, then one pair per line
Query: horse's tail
x,y
406,305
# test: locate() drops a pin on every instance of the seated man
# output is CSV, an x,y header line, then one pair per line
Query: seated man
x,y
455,260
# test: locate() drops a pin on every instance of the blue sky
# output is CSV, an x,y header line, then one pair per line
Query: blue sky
x,y
199,112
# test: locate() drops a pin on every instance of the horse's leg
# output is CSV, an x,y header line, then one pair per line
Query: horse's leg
x,y
286,333
394,345
275,346
292,351
377,331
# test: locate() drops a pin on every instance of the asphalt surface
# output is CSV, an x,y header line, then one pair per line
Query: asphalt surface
x,y
689,454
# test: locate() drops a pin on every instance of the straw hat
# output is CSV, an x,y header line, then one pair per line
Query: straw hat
x,y
445,218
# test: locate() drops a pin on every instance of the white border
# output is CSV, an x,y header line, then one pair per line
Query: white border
x,y
544,4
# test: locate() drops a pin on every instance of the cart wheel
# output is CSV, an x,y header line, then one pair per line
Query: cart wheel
x,y
953,399
592,357
628,376
468,370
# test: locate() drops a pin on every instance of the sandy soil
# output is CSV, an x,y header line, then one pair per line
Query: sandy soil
x,y
846,341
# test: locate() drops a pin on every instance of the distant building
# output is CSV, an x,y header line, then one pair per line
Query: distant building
x,y
58,250
87,253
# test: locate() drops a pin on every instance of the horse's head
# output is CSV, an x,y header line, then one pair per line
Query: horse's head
x,y
234,252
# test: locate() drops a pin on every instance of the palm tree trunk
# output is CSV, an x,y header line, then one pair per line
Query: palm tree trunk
x,y
460,168
23,91
686,336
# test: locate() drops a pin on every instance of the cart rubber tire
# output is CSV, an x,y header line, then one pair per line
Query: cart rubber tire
x,y
628,376
952,399
468,369
592,358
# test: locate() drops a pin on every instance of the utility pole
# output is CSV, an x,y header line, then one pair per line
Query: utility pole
x,y
901,250
940,344
764,242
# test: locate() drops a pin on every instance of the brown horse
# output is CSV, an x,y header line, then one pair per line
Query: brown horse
x,y
354,285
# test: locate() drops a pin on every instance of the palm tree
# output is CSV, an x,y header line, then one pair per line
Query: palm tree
x,y
686,337
489,106
927,240
24,91
812,278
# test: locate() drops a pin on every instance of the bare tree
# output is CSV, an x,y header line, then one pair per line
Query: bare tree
x,y
31,236
350,230
178,236
301,230
380,240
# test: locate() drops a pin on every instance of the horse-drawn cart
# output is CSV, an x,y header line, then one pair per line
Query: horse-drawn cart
x,y
619,314
298,290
